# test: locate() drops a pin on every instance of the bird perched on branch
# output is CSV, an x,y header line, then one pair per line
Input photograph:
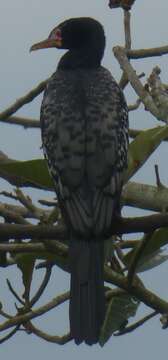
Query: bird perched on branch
x,y
84,121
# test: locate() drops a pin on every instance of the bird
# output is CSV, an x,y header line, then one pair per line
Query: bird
x,y
84,126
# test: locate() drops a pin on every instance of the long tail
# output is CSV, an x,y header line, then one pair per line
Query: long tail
x,y
87,299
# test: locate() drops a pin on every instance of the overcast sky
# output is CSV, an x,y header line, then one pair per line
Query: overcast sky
x,y
22,23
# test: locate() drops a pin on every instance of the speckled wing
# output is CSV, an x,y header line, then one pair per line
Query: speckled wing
x,y
63,129
85,137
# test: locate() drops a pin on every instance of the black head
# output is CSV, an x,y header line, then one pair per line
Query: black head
x,y
85,35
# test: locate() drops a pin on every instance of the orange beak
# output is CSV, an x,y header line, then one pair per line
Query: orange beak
x,y
48,43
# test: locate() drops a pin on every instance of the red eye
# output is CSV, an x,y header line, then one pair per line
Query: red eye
x,y
55,34
58,34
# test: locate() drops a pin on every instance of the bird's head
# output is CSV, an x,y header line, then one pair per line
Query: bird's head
x,y
73,34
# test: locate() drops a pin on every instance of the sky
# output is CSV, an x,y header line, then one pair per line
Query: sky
x,y
23,23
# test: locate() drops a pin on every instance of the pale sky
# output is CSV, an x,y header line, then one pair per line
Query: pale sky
x,y
21,24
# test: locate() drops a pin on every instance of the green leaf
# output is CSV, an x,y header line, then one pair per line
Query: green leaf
x,y
29,172
158,239
150,261
59,260
26,266
119,310
143,146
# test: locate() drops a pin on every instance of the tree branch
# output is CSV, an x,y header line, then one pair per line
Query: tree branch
x,y
42,287
61,340
120,54
144,53
136,325
23,100
8,336
22,121
139,291
136,257
120,226
22,318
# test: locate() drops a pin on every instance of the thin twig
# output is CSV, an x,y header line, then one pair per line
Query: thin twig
x,y
158,181
137,290
23,100
144,95
127,29
14,292
136,257
5,315
127,244
42,287
48,203
37,247
31,314
144,53
22,121
11,216
28,204
8,336
61,340
136,325
8,194
22,211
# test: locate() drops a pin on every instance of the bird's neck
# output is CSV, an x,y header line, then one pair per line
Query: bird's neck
x,y
81,58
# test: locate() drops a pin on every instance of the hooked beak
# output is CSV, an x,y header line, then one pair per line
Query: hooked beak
x,y
47,43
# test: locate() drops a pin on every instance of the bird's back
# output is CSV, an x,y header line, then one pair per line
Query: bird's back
x,y
84,130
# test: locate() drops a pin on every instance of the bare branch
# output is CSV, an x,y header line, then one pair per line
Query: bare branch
x,y
37,247
121,226
22,121
14,292
136,325
159,93
28,204
144,53
8,336
22,318
127,244
127,29
137,290
11,216
158,181
120,54
136,257
61,340
22,211
43,285
23,100
5,315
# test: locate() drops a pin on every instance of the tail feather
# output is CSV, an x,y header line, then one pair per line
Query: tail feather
x,y
87,299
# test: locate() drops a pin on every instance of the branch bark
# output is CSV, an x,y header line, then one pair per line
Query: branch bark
x,y
120,54
121,226
23,100
144,53
22,121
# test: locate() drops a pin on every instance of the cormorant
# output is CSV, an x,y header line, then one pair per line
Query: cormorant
x,y
84,122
